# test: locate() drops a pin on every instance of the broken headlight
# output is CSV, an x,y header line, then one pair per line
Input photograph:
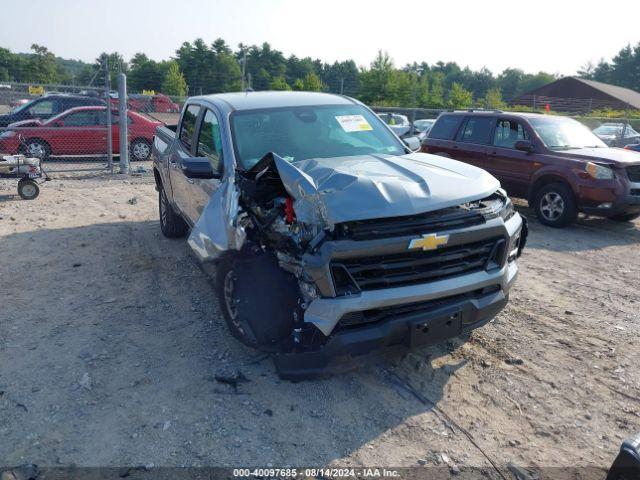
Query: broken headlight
x,y
507,210
498,205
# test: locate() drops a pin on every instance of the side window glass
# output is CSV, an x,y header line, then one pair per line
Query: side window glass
x,y
209,141
445,127
42,108
80,119
477,130
188,125
508,133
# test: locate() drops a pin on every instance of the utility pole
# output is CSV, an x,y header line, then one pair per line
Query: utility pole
x,y
244,68
341,85
123,124
107,88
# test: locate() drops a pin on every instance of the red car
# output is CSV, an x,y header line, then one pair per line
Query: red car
x,y
158,103
78,131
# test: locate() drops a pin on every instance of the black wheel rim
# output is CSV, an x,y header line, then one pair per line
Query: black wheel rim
x,y
230,300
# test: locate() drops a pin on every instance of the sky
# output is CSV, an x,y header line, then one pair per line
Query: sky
x,y
557,36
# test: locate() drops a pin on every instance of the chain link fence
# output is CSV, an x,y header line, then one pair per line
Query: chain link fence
x,y
77,128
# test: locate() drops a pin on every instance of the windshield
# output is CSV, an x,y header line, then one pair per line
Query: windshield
x,y
615,130
422,125
21,107
299,133
560,133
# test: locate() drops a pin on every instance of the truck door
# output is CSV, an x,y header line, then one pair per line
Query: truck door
x,y
512,167
198,136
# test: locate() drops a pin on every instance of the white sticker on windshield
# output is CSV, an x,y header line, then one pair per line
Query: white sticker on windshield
x,y
353,123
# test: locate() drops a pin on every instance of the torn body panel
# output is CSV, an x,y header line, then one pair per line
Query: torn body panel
x,y
217,230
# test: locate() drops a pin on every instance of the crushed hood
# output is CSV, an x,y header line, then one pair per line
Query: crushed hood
x,y
335,190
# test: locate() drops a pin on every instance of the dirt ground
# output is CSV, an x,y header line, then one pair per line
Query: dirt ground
x,y
111,340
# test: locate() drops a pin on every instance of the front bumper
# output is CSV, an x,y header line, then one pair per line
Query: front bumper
x,y
326,312
624,204
422,314
349,348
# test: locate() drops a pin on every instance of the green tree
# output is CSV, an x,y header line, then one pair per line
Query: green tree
x,y
459,97
311,83
436,91
378,83
174,82
41,66
279,83
146,74
493,99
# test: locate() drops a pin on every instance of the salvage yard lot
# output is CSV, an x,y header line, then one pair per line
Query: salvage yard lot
x,y
113,351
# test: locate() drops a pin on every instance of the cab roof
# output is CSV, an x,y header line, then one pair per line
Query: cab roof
x,y
274,99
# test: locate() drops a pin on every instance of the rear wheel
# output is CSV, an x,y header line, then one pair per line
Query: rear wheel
x,y
171,224
28,189
555,205
626,217
259,300
140,150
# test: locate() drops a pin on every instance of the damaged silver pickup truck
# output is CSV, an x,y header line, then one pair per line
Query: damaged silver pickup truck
x,y
332,240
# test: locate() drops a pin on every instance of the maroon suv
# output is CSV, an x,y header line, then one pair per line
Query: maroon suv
x,y
556,163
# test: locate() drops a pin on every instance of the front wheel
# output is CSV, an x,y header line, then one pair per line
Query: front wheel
x,y
171,224
258,299
35,148
555,205
28,189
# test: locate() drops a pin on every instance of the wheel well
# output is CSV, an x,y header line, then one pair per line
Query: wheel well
x,y
545,180
145,140
156,175
44,142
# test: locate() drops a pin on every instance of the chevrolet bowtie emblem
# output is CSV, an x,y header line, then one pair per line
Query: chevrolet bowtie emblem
x,y
428,242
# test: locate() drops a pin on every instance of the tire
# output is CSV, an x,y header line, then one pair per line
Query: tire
x,y
140,150
258,299
36,148
555,205
171,224
625,217
28,189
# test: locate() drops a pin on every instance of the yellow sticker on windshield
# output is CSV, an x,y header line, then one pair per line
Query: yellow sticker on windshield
x,y
353,123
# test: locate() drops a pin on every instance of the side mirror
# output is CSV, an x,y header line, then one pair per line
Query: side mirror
x,y
524,146
198,167
413,143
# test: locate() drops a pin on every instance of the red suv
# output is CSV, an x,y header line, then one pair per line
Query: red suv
x,y
556,163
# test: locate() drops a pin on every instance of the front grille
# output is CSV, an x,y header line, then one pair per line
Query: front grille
x,y
460,216
633,173
438,221
415,267
375,315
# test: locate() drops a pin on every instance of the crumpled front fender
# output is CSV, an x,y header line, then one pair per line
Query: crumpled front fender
x,y
217,229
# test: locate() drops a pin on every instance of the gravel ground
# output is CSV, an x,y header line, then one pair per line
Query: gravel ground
x,y
111,340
